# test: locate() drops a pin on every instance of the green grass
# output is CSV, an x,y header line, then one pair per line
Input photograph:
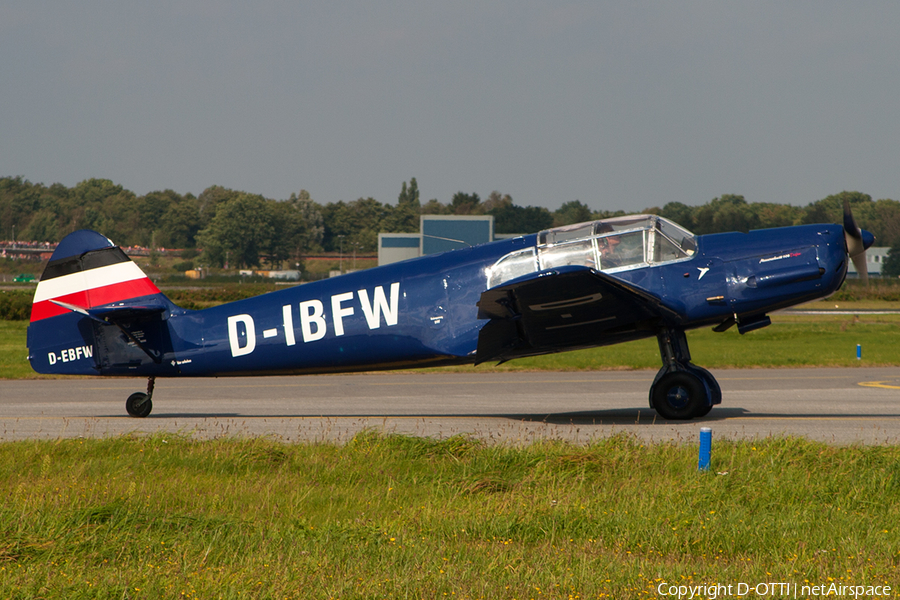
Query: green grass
x,y
791,341
14,351
400,517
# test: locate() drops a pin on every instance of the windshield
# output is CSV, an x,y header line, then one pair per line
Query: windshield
x,y
610,245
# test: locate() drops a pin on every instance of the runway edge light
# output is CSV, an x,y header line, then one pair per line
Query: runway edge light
x,y
705,448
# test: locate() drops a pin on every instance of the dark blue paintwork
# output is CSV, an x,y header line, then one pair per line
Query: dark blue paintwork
x,y
436,325
436,310
739,270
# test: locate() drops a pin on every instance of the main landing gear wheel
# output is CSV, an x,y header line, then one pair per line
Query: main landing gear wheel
x,y
680,395
712,388
681,390
139,405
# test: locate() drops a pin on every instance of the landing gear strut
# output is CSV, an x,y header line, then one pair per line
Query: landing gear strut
x,y
681,390
139,404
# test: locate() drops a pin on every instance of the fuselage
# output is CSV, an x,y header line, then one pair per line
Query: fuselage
x,y
424,311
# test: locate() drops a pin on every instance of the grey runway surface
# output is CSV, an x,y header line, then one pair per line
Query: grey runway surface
x,y
841,406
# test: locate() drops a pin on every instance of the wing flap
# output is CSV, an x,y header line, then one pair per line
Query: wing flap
x,y
563,309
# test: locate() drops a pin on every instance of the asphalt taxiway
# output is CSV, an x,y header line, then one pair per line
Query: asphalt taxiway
x,y
841,406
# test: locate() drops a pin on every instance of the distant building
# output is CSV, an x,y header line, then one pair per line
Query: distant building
x,y
290,275
394,247
437,233
874,259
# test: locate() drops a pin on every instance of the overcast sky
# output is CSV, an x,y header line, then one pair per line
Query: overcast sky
x,y
622,105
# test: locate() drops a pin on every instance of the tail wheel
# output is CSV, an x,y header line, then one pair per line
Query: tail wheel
x,y
680,395
139,405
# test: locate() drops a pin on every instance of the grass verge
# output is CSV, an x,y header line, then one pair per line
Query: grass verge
x,y
401,517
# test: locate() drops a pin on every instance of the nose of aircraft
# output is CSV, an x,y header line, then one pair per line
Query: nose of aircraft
x,y
867,238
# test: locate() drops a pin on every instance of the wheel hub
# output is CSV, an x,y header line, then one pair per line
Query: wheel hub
x,y
678,396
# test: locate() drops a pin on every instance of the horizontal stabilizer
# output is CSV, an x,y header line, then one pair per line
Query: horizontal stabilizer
x,y
117,313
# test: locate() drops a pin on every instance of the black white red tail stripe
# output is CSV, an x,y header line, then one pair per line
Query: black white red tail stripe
x,y
87,276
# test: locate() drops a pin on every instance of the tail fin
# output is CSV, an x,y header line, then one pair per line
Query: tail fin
x,y
85,307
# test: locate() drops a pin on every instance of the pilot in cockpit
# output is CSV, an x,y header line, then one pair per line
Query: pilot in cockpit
x,y
607,246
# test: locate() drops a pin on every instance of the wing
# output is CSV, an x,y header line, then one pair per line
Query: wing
x,y
565,309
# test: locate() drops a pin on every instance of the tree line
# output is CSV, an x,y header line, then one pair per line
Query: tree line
x,y
242,228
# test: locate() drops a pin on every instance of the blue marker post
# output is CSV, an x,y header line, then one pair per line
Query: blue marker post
x,y
705,448
859,352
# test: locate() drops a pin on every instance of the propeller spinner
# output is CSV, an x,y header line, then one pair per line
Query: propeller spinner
x,y
857,241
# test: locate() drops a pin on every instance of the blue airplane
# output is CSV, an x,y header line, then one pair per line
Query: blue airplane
x,y
579,286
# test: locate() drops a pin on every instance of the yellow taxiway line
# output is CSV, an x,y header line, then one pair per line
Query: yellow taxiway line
x,y
879,384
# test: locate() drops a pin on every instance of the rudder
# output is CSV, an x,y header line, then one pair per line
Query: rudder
x,y
86,305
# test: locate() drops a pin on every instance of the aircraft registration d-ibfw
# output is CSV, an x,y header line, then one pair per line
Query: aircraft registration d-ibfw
x,y
579,286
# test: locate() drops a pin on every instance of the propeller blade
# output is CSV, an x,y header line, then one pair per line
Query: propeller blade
x,y
857,241
859,261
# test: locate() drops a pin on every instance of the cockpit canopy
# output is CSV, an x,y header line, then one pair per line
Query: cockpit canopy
x,y
610,245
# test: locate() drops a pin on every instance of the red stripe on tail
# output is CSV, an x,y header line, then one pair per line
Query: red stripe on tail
x,y
99,296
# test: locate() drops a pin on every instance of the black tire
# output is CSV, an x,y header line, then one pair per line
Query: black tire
x,y
712,386
138,405
704,411
679,396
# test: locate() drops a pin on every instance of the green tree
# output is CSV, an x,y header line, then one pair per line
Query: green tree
x,y
404,218
10,218
353,225
606,214
23,201
209,200
730,212
465,204
53,202
571,212
32,212
435,207
119,219
882,218
517,219
831,208
42,227
885,225
891,265
102,205
409,196
314,222
287,233
776,215
494,201
180,224
679,213
239,233
153,209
